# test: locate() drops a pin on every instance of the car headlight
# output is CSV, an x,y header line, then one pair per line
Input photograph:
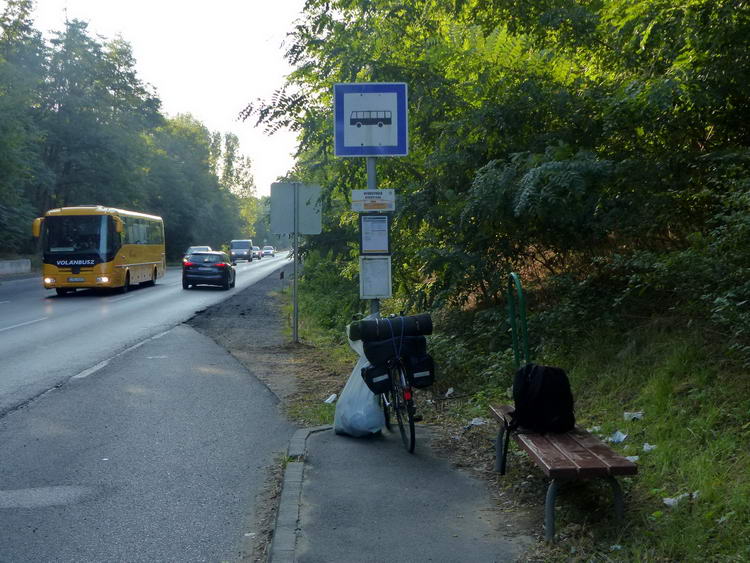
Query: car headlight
x,y
49,280
102,279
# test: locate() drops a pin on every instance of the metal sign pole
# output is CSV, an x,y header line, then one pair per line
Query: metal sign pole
x,y
372,184
295,319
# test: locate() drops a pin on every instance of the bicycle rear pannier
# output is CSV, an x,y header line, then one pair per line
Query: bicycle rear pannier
x,y
378,353
421,370
377,378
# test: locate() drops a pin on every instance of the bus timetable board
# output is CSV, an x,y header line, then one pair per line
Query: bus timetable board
x,y
370,119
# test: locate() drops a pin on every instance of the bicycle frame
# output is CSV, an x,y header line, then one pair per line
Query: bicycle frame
x,y
402,402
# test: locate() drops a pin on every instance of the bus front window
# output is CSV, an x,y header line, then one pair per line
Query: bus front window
x,y
75,234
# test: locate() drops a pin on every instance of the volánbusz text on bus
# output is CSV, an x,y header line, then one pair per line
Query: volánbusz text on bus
x,y
99,247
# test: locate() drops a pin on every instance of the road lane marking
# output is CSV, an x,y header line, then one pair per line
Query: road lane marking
x,y
116,299
22,324
104,363
42,497
2,302
93,369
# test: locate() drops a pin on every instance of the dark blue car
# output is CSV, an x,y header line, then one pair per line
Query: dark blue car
x,y
207,268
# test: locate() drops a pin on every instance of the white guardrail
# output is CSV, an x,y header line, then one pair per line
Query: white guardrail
x,y
22,266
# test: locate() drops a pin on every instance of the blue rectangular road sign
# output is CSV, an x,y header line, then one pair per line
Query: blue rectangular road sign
x,y
371,119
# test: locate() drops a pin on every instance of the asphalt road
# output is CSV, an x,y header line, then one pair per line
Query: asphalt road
x,y
125,435
46,339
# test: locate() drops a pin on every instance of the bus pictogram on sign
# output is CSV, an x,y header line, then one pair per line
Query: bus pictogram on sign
x,y
379,118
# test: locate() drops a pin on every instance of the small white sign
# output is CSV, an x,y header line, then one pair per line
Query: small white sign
x,y
374,234
364,201
374,277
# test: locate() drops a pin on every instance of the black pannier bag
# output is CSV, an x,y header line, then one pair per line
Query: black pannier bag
x,y
379,352
543,400
381,329
421,370
376,378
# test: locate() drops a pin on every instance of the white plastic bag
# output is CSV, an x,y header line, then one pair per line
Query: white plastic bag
x,y
358,411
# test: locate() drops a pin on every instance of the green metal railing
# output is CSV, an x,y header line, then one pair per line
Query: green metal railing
x,y
517,319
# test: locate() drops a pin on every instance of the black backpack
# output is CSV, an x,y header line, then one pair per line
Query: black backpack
x,y
543,403
543,400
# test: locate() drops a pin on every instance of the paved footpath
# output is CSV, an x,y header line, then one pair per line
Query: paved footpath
x,y
368,500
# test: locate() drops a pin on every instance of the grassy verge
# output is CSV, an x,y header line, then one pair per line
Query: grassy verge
x,y
696,412
695,402
333,361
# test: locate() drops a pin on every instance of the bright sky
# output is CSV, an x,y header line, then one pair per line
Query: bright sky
x,y
207,58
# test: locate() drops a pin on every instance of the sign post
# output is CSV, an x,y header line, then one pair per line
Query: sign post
x,y
295,209
371,120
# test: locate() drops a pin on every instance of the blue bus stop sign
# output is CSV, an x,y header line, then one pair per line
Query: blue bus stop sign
x,y
370,119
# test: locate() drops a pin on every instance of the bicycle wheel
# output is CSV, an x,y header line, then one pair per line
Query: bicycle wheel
x,y
386,409
403,406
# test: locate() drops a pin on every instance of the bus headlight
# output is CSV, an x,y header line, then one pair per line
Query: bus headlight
x,y
49,281
102,279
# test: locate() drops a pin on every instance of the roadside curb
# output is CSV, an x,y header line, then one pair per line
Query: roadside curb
x,y
287,517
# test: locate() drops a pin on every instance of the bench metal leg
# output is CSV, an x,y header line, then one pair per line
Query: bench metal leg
x,y
618,498
549,510
499,450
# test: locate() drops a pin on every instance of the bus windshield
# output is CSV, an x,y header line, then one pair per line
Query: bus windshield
x,y
78,234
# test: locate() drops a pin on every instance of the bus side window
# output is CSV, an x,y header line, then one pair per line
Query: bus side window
x,y
154,232
114,239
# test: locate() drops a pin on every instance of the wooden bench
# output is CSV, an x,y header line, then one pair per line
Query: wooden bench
x,y
564,457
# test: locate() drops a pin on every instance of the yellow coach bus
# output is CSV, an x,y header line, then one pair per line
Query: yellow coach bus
x,y
99,247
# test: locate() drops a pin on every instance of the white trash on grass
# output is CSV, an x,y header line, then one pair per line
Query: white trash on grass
x,y
632,415
673,502
618,437
648,447
475,422
331,399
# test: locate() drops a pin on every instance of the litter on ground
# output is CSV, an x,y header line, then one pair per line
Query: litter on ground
x,y
672,502
618,437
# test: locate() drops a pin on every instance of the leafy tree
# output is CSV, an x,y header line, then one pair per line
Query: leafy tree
x,y
94,113
22,71
561,138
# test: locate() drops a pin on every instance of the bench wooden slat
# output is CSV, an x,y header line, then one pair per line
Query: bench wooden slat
x,y
587,464
616,463
551,460
502,412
